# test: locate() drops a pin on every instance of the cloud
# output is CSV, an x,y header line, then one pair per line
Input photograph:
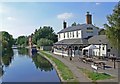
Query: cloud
x,y
1,11
65,16
97,3
10,18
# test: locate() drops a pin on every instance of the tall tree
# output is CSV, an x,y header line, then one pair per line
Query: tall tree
x,y
44,32
6,42
22,41
113,27
44,42
6,39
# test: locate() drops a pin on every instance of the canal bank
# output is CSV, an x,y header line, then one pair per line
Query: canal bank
x,y
64,73
74,66
58,73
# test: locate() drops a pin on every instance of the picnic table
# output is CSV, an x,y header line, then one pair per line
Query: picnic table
x,y
82,59
100,63
89,59
86,59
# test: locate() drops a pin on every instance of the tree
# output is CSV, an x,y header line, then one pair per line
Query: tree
x,y
102,32
113,27
74,24
44,42
22,41
6,40
45,32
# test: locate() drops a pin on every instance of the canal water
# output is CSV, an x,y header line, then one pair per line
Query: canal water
x,y
21,66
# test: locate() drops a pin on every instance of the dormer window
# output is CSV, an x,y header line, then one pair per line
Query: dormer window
x,y
89,30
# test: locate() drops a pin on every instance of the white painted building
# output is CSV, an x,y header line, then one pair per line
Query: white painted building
x,y
79,31
103,46
95,50
72,39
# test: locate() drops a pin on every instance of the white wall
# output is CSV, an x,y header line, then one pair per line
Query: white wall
x,y
83,33
102,52
70,35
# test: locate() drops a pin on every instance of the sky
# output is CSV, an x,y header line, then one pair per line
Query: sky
x,y
22,18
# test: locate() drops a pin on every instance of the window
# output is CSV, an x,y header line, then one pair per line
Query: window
x,y
64,35
73,33
59,35
103,48
76,33
68,34
108,50
89,30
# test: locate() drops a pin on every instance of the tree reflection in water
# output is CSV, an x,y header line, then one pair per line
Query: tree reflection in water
x,y
1,68
7,57
42,63
23,51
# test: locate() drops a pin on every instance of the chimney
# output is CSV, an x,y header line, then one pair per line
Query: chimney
x,y
88,18
64,24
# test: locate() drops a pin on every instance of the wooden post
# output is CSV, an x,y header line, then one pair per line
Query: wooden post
x,y
74,50
114,63
67,50
103,66
71,54
62,52
78,52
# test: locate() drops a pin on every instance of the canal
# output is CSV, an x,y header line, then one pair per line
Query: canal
x,y
21,66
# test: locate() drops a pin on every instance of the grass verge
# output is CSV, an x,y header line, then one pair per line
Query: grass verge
x,y
95,75
65,73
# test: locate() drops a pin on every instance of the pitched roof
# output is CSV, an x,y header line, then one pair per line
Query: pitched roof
x,y
72,41
74,28
98,39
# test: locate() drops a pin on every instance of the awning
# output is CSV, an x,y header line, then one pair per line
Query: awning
x,y
90,47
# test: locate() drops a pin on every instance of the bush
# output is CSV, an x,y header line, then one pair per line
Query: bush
x,y
44,42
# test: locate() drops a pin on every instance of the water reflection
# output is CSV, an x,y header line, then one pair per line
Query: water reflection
x,y
19,66
1,68
5,60
23,51
41,63
7,57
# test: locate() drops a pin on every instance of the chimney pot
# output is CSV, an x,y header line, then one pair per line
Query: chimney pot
x,y
88,18
64,24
